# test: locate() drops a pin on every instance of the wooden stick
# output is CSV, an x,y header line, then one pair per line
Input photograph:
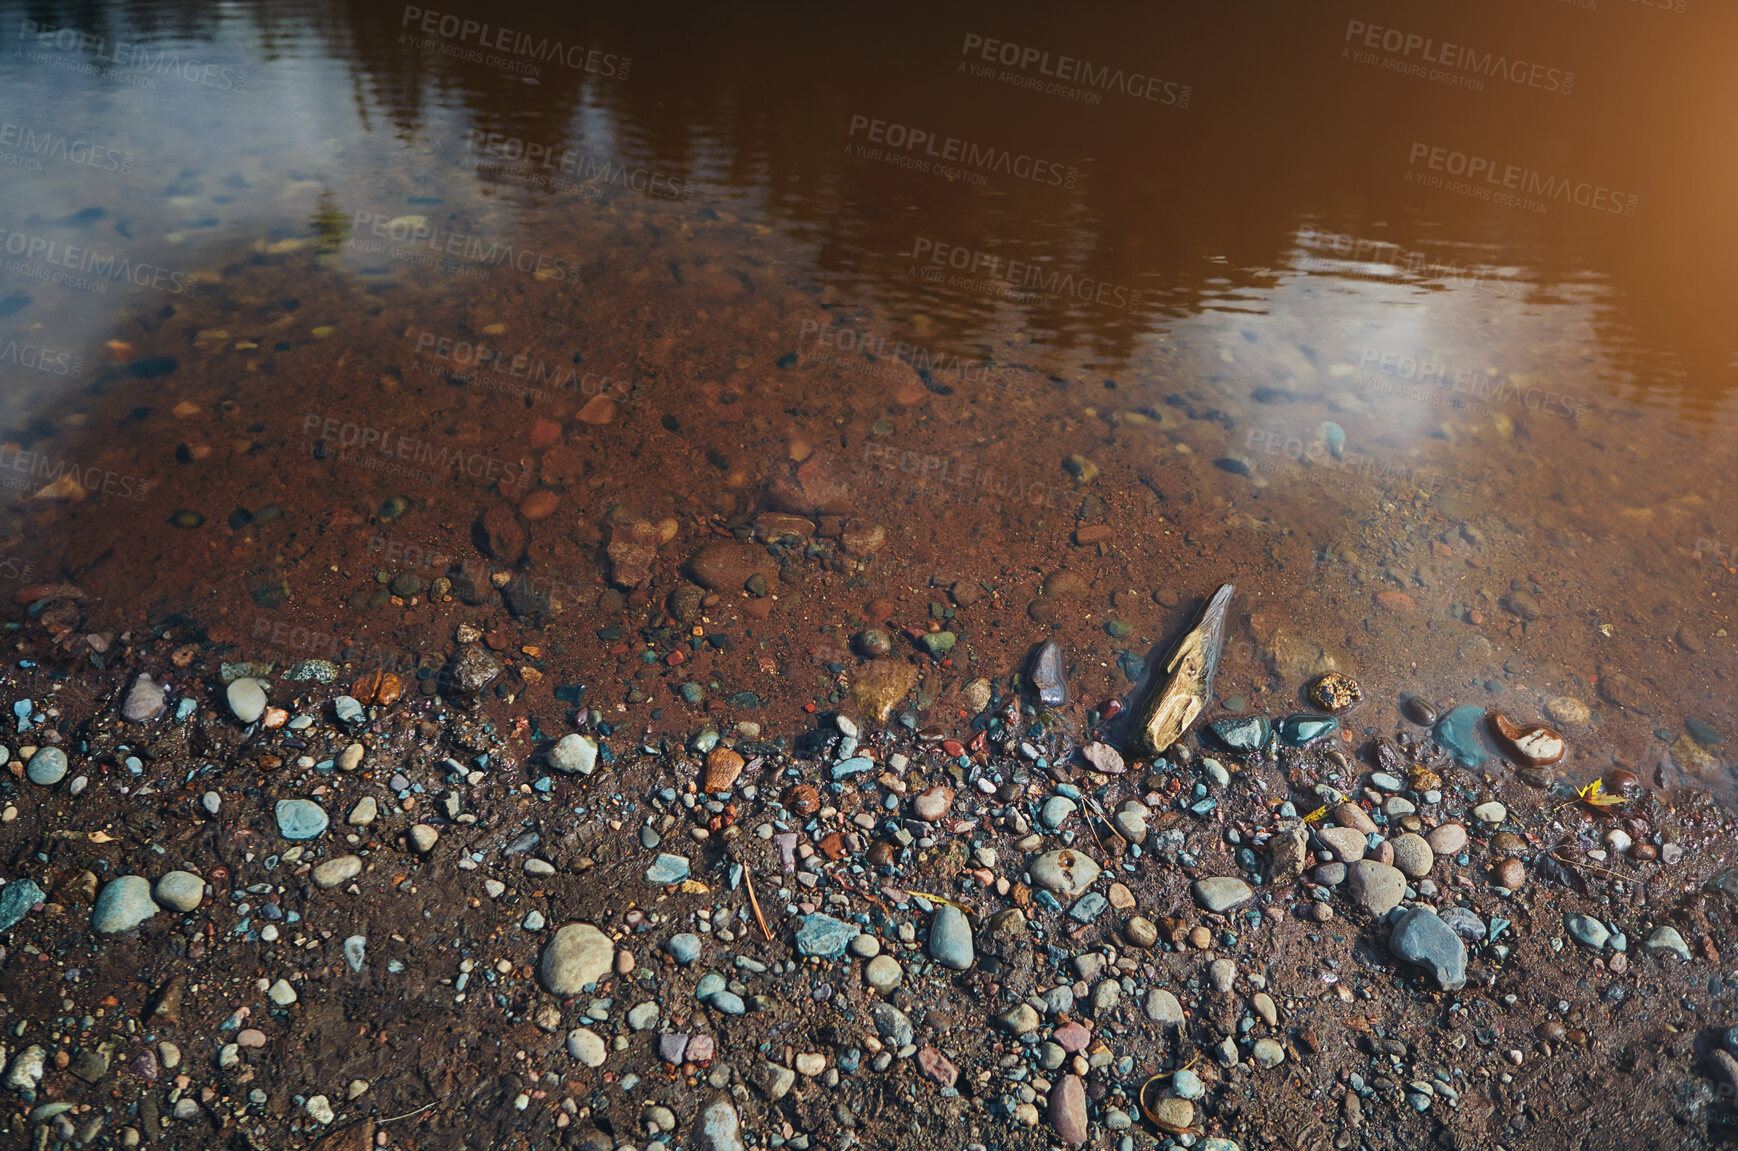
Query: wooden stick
x,y
748,879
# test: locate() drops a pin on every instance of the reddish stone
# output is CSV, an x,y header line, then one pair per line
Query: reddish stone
x,y
1093,534
936,1066
539,505
545,433
1110,709
1396,601
505,537
674,658
953,747
1072,1037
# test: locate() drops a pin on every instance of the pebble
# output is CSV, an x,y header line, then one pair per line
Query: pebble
x,y
1047,675
281,993
574,753
684,948
865,946
123,905
144,701
247,700
1268,1054
1187,1084
1448,839
47,767
587,1046
1103,758
950,938
16,900
824,937
1376,887
1222,973
577,955
892,1024
1463,923
1175,1114
1265,1007
883,973
180,891
1509,873
300,818
1352,816
1491,812
365,812
1066,873
718,1128
1346,844
1021,1019
1668,939
319,1109
351,757
1423,939
1056,811
667,869
1162,1007
933,803
1221,893
1141,932
1412,855
334,872
423,838
1566,710
1458,731
1067,1108
1587,930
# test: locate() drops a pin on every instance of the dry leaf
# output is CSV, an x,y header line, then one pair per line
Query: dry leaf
x,y
1595,795
102,837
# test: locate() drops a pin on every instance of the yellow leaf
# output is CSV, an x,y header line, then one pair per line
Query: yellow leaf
x,y
1316,814
1596,795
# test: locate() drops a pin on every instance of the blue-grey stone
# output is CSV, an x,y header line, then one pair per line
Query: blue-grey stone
x,y
719,1128
124,904
1587,930
1458,731
1297,730
825,937
1222,893
684,948
1464,923
348,710
300,818
728,1002
1422,938
950,938
1088,907
16,898
1383,781
710,984
1056,811
1701,732
1335,437
1245,733
1187,1084
356,951
667,869
893,1024
47,766
574,753
856,765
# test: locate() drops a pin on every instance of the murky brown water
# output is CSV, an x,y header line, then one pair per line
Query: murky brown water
x,y
1412,324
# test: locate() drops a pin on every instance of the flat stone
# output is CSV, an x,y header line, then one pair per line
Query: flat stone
x,y
1056,811
574,754
1174,1114
950,938
577,955
1072,1036
718,1127
366,811
300,818
1329,874
673,1047
776,1081
123,905
180,891
1458,731
1066,872
1268,1054
247,700
1221,893
334,872
1222,973
47,767
1021,1019
667,869
1067,1107
1088,907
1492,813
1353,816
824,937
933,803
1376,887
1587,931
1347,844
16,900
587,1046
1298,730
1425,940
1463,923
144,701
1412,855
1103,758
642,1016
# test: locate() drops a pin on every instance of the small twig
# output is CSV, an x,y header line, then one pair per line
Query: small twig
x,y
408,1114
1588,866
748,878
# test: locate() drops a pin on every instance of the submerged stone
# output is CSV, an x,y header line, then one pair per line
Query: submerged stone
x,y
1246,733
1297,730
1047,675
1458,731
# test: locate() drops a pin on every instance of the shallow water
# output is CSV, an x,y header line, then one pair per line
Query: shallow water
x,y
1329,319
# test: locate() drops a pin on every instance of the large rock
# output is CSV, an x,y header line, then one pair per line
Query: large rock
x,y
1068,1109
950,938
574,754
247,700
123,905
1376,887
1347,844
725,566
578,954
1421,938
1065,872
1221,893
